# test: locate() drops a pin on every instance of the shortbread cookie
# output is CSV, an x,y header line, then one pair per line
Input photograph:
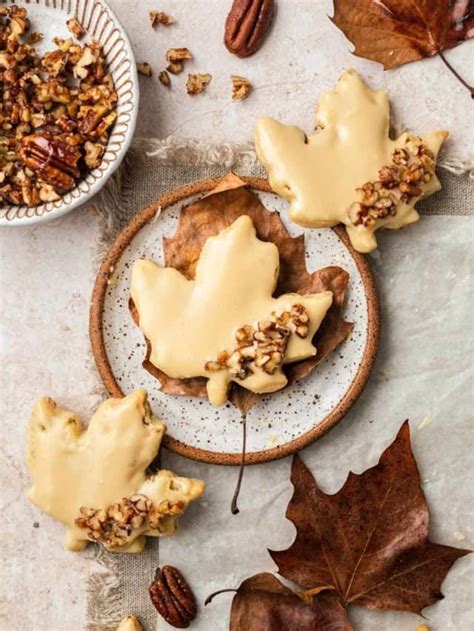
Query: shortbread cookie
x,y
95,480
225,325
350,171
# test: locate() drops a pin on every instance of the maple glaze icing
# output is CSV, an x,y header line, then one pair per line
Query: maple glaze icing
x,y
72,467
188,322
319,174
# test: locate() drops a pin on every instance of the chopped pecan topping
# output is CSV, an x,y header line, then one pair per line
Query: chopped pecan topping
x,y
115,525
399,182
241,88
264,346
46,119
197,83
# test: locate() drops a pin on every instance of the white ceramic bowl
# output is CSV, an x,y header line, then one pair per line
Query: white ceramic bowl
x,y
49,17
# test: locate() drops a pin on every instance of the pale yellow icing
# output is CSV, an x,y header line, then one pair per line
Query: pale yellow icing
x,y
73,468
319,174
188,322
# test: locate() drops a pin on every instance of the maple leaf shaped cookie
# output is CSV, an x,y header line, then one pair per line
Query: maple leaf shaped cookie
x,y
94,480
350,171
225,325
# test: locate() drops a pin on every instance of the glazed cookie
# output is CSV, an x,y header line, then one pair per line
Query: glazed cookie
x,y
225,325
95,480
350,171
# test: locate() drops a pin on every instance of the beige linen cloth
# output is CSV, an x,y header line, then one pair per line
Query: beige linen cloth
x,y
151,168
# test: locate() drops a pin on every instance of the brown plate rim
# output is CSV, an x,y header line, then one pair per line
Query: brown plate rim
x,y
105,371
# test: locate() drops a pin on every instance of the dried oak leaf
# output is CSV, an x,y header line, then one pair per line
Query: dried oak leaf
x,y
369,541
263,603
395,32
209,216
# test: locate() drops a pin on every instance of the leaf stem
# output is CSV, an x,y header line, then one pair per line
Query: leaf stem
x,y
456,74
221,591
234,509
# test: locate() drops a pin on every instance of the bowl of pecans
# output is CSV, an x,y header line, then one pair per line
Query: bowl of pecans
x,y
69,100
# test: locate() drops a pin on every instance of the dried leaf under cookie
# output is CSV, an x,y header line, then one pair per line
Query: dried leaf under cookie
x,y
209,216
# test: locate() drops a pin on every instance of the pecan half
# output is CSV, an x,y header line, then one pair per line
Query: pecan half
x,y
53,160
172,597
247,25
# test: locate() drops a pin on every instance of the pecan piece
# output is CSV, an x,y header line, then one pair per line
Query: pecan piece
x,y
172,597
164,78
197,83
76,28
247,25
241,88
52,159
160,17
174,55
145,69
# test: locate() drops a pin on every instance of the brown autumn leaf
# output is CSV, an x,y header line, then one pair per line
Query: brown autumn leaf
x,y
263,603
395,32
209,216
369,541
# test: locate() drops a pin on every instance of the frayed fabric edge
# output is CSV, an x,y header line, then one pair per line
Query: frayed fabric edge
x,y
104,593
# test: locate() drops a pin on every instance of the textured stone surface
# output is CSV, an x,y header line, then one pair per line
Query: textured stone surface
x,y
423,370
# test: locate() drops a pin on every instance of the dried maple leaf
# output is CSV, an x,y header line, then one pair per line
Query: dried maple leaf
x,y
208,217
395,32
369,541
262,602
95,480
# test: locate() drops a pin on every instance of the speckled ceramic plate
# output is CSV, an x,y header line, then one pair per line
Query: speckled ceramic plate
x,y
49,17
279,424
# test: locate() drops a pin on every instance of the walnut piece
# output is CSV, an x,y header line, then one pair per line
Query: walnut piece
x,y
160,17
145,69
241,88
197,83
46,118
